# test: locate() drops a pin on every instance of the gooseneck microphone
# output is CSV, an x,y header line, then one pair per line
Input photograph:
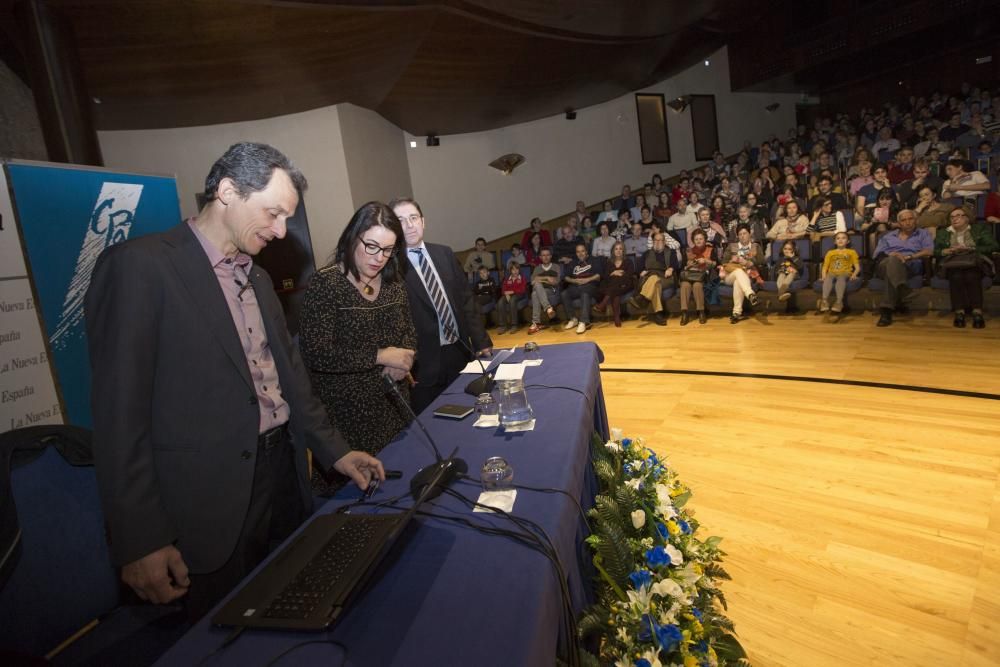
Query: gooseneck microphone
x,y
482,384
427,480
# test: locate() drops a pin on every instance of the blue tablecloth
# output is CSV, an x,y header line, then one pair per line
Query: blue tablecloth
x,y
451,595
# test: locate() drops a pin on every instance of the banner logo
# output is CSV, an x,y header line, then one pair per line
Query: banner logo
x,y
109,224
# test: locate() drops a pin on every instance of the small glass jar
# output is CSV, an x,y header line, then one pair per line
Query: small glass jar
x,y
497,474
486,405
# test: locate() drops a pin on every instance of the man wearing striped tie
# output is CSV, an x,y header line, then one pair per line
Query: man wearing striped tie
x,y
442,307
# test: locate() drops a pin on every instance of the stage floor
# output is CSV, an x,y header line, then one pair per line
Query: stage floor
x,y
862,521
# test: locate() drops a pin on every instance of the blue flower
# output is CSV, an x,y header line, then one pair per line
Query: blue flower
x,y
628,469
696,613
642,662
626,442
685,527
669,636
641,578
661,528
646,628
702,646
657,556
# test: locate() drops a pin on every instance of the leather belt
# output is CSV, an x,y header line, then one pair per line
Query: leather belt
x,y
272,437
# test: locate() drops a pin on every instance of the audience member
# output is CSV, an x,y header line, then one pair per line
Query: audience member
x,y
897,258
788,268
587,231
963,183
868,195
545,279
564,249
533,253
536,226
514,286
840,265
484,289
581,278
617,280
683,219
625,201
826,221
931,213
479,257
516,255
824,186
604,241
714,232
901,168
636,244
659,266
663,209
744,258
698,266
793,225
907,190
964,251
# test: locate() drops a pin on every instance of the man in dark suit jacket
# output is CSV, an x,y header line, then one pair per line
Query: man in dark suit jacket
x,y
202,408
442,307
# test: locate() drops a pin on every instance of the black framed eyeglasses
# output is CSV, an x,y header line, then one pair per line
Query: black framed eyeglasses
x,y
374,249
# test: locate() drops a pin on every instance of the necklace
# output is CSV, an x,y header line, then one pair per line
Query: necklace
x,y
368,289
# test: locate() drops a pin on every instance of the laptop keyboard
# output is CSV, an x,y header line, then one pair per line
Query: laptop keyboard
x,y
323,573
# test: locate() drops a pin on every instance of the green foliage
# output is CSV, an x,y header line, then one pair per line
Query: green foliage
x,y
727,647
716,571
593,622
606,473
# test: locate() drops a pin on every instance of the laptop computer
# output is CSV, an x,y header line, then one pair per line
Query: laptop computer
x,y
313,579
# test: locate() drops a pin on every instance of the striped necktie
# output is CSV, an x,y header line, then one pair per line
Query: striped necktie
x,y
438,298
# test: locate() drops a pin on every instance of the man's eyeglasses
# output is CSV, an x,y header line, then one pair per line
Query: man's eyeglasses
x,y
412,219
374,249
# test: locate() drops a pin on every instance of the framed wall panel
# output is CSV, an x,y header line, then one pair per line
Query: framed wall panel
x,y
651,112
704,126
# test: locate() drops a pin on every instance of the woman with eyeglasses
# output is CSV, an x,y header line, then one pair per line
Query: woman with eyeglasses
x,y
356,329
963,253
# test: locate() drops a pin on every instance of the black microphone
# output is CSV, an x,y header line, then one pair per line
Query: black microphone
x,y
429,480
482,384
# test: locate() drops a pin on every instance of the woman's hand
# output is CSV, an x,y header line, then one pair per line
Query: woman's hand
x,y
397,374
396,357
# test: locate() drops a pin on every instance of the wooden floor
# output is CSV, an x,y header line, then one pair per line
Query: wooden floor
x,y
862,523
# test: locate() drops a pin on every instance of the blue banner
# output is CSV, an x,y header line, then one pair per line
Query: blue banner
x,y
67,215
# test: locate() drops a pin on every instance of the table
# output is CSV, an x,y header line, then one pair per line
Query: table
x,y
451,595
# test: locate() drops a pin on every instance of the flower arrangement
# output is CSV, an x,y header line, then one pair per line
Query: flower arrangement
x,y
659,604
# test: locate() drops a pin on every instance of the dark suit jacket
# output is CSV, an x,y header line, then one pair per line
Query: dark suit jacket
x,y
428,368
175,410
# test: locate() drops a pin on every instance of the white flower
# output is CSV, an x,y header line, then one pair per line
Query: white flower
x,y
637,465
640,598
647,543
667,588
634,483
676,557
688,575
652,656
638,519
665,505
613,446
616,434
623,637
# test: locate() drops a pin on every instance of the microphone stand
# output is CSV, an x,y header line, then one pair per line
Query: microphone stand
x,y
429,481
482,384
